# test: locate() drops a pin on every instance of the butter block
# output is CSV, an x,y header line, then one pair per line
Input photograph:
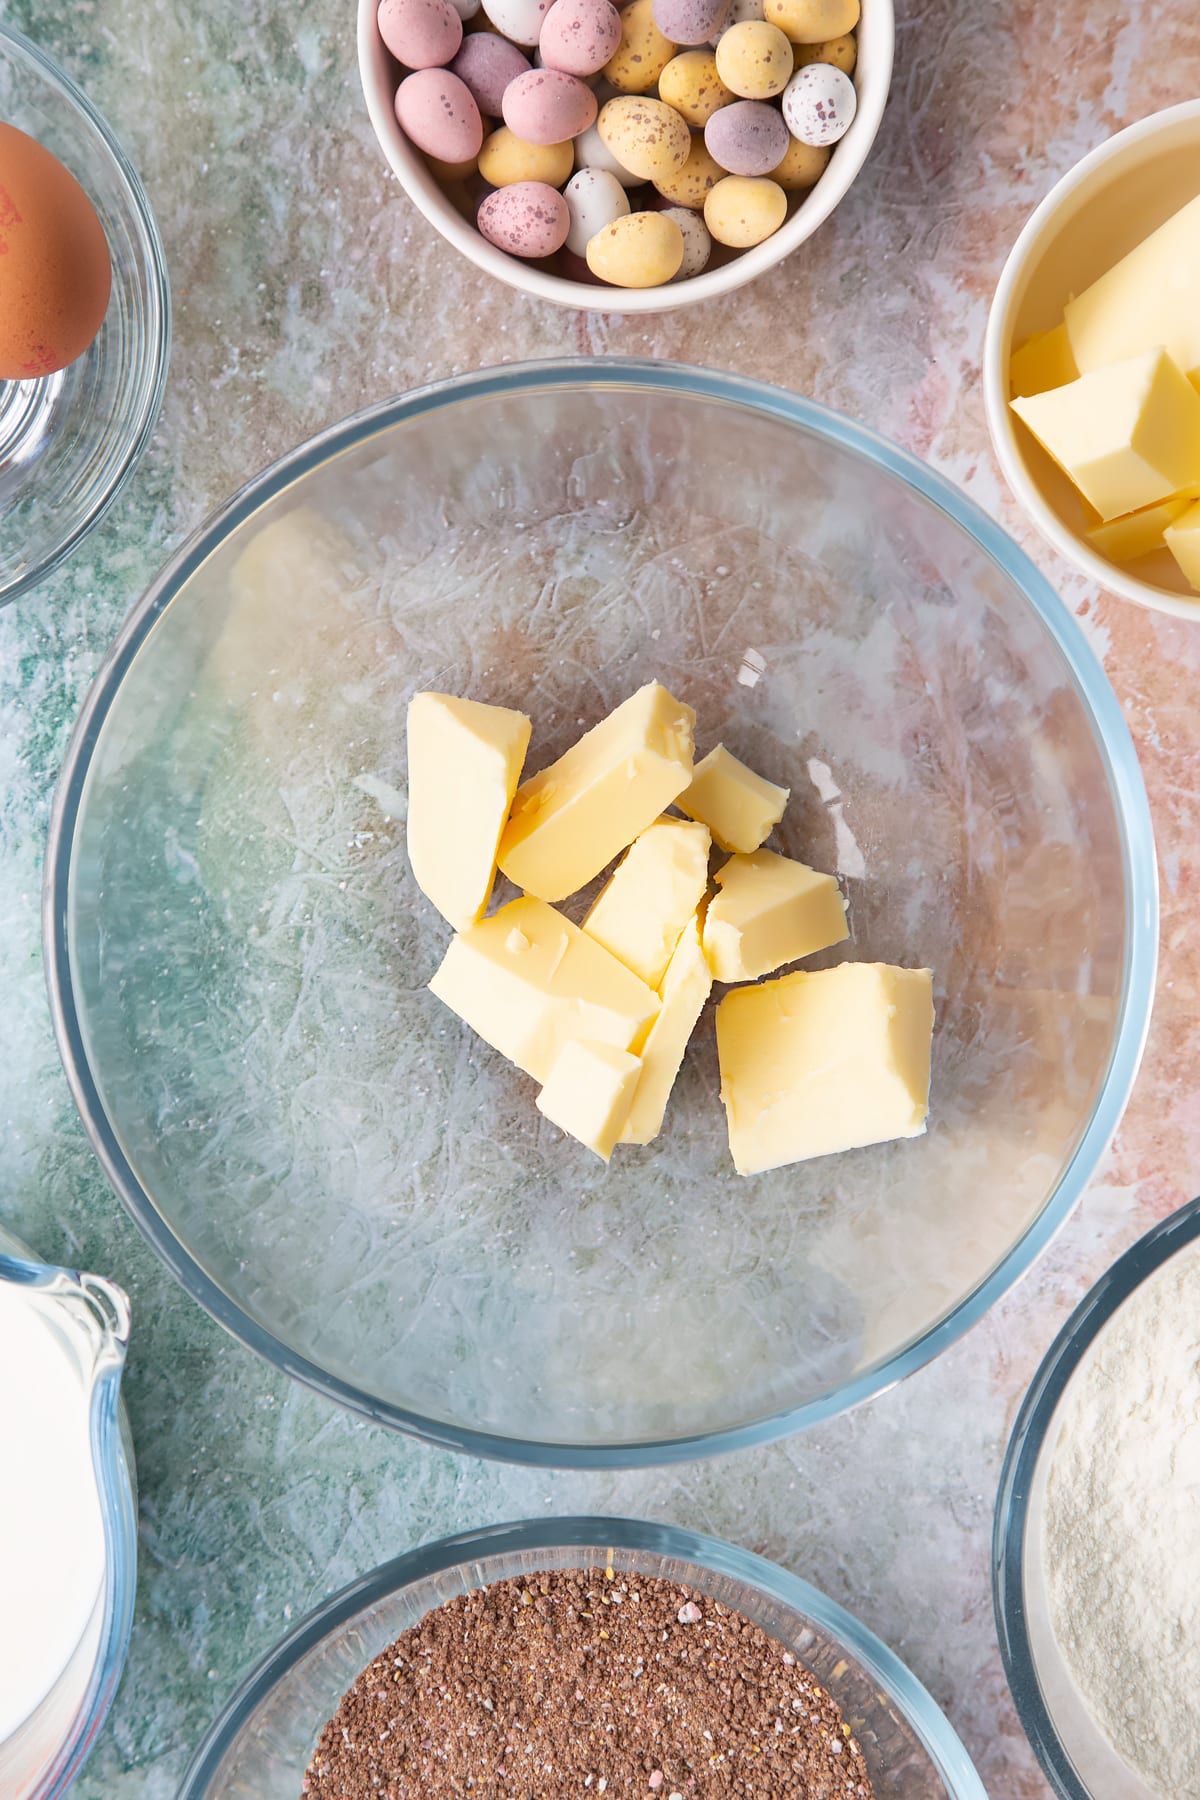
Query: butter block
x,y
652,895
587,1093
464,763
529,981
739,807
574,817
686,986
1042,362
1182,539
1150,300
1127,436
821,1061
1138,533
770,911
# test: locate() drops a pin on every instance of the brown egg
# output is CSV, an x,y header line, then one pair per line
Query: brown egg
x,y
55,270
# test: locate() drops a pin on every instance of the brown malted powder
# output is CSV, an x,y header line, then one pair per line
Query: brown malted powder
x,y
586,1683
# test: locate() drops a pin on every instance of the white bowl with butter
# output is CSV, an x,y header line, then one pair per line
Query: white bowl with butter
x,y
1101,210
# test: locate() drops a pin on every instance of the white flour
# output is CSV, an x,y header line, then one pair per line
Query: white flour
x,y
1122,1541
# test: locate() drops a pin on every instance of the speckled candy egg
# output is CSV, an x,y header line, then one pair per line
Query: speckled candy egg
x,y
754,59
690,184
740,11
801,166
697,243
842,52
466,9
690,21
506,159
487,63
819,104
579,36
591,152
437,112
529,219
519,20
741,212
642,251
812,21
643,52
646,136
747,138
547,106
691,85
594,199
422,34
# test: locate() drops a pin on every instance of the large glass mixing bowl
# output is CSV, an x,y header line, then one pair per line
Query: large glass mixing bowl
x,y
361,1190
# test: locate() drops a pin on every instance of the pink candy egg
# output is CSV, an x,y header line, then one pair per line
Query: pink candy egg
x,y
487,63
579,36
423,34
547,106
689,21
437,112
747,138
527,219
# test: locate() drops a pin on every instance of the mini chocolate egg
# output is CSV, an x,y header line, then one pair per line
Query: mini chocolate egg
x,y
579,36
643,52
57,272
689,184
747,138
812,21
594,199
529,219
518,20
506,159
690,21
487,64
819,104
691,85
740,11
697,242
642,251
754,59
646,136
437,112
802,165
741,211
591,152
842,52
422,34
547,106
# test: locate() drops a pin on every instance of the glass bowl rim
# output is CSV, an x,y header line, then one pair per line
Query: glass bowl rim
x,y
1025,1445
1114,745
153,381
921,1712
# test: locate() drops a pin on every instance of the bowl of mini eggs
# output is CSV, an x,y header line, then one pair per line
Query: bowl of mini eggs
x,y
626,158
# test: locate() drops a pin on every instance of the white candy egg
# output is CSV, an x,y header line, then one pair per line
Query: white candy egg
x,y
697,243
520,20
466,9
819,103
594,199
739,12
591,152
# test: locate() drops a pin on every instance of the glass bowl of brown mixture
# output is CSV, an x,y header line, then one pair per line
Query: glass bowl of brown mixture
x,y
582,1656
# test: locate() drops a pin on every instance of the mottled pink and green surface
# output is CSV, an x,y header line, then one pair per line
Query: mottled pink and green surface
x,y
305,286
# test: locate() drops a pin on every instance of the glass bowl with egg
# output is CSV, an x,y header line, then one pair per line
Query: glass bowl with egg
x,y
69,437
239,957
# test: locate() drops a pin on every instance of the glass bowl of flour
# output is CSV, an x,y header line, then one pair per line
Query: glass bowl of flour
x,y
1097,1537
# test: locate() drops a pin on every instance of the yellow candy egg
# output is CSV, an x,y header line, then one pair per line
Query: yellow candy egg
x,y
802,165
742,210
646,136
842,52
691,85
812,21
506,159
754,59
643,52
641,250
690,184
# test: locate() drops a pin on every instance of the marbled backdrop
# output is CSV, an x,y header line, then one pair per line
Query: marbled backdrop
x,y
305,286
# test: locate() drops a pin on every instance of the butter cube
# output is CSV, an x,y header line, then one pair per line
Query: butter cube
x,y
686,986
739,807
1150,300
1138,533
654,892
822,1061
770,911
574,817
1042,362
1127,436
529,981
587,1093
1182,539
464,763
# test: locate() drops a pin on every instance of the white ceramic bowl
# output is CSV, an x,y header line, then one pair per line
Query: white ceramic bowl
x,y
1096,214
876,33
